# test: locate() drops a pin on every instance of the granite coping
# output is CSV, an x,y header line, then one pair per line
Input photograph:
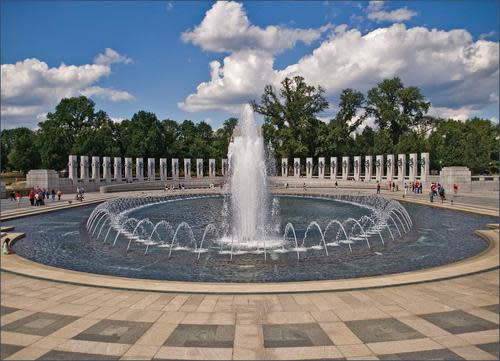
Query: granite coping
x,y
486,260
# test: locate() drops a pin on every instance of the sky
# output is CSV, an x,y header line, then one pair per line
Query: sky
x,y
203,60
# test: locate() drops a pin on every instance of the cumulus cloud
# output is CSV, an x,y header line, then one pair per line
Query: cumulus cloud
x,y
30,87
454,71
378,14
226,28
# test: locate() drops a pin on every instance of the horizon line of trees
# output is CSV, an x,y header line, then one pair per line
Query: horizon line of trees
x,y
291,129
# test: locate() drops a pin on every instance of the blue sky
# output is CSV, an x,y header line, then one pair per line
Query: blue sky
x,y
235,49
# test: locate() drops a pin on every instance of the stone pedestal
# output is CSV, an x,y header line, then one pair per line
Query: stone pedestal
x,y
96,169
43,178
175,168
321,168
368,168
117,174
412,167
199,168
346,167
84,168
187,168
211,168
357,168
455,175
309,168
106,169
139,169
401,167
284,167
128,169
333,168
151,170
390,167
379,168
296,167
73,167
224,167
163,169
424,166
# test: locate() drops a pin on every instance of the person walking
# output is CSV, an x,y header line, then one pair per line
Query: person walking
x,y
59,194
31,196
18,198
405,190
12,196
378,188
53,194
455,188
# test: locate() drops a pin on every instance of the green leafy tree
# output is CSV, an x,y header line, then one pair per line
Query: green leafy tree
x,y
22,154
9,139
291,125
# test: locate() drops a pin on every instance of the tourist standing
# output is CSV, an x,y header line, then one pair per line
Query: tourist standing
x,y
31,196
455,188
378,188
53,194
336,185
405,190
12,196
18,198
59,194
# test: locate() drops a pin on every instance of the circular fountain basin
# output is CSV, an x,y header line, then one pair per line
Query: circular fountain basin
x,y
437,237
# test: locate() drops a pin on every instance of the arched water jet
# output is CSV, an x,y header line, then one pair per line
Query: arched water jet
x,y
314,223
208,228
360,227
190,231
374,225
287,228
341,227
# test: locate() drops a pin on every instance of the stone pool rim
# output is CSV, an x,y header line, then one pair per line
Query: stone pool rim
x,y
484,261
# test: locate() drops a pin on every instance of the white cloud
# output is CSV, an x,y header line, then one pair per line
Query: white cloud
x,y
452,70
226,28
462,113
487,35
111,56
377,13
30,87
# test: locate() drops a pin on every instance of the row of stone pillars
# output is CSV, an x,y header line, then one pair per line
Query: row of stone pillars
x,y
125,173
394,169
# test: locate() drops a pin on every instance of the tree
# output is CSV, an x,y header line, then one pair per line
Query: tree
x,y
12,137
290,122
397,108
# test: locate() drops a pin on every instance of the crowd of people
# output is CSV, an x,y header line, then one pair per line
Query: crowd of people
x,y
36,196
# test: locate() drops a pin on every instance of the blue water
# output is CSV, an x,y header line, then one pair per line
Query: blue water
x,y
438,237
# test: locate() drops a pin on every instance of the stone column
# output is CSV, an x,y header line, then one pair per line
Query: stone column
x,y
96,169
187,168
413,167
321,167
401,167
424,166
163,169
296,167
128,170
151,169
368,168
84,168
211,168
225,167
333,168
139,169
106,169
199,168
390,167
357,168
379,168
345,168
284,167
73,167
309,167
175,168
117,173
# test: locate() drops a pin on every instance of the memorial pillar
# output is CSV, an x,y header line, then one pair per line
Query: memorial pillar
x,y
284,167
211,168
357,168
225,167
368,168
106,169
187,168
296,167
73,167
139,169
84,168
413,167
96,169
117,174
175,168
128,170
199,168
424,166
163,169
309,168
333,168
401,167
321,167
345,168
379,168
151,169
390,167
